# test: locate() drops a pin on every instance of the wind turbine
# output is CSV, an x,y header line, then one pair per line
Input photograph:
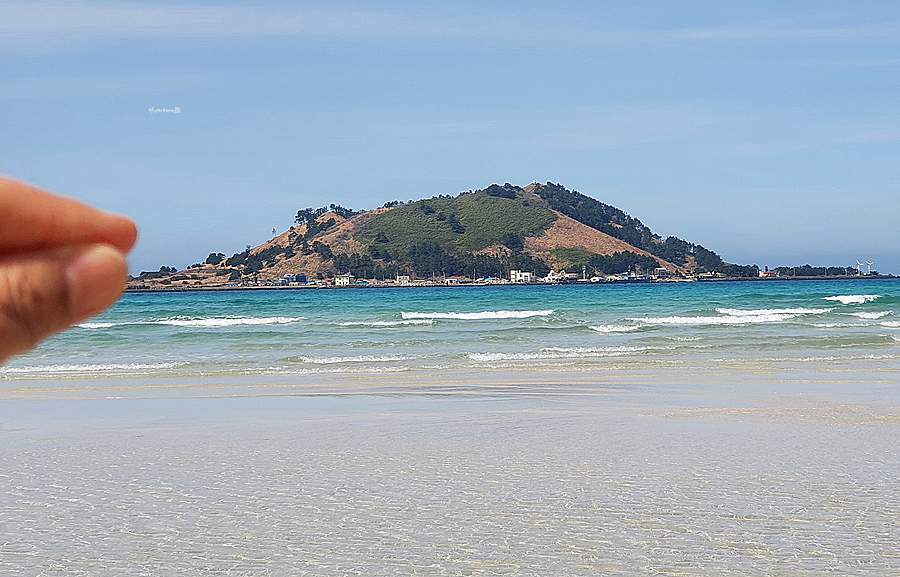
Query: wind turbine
x,y
858,264
869,271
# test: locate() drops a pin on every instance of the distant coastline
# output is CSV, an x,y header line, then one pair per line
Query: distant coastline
x,y
430,284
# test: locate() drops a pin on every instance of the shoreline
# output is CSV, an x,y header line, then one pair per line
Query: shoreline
x,y
430,284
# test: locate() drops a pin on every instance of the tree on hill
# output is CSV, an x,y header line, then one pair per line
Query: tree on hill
x,y
215,258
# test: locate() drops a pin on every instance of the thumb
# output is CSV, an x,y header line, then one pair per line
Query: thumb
x,y
43,292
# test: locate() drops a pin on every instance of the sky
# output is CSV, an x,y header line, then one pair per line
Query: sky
x,y
766,131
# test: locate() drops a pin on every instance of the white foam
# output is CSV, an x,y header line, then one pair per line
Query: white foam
x,y
478,316
86,368
614,328
97,325
761,312
837,325
734,317
876,315
203,323
227,321
725,320
387,323
891,324
359,359
852,299
551,353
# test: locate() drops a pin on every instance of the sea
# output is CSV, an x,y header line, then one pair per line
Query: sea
x,y
571,328
706,428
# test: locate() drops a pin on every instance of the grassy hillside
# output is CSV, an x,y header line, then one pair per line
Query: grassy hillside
x,y
618,224
467,223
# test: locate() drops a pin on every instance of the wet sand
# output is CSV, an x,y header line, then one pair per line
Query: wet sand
x,y
694,471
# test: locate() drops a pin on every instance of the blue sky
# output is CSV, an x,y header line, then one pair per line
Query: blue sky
x,y
767,132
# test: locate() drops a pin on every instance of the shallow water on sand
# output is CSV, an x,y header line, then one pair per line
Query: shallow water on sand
x,y
705,472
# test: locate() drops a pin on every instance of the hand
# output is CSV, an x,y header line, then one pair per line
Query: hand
x,y
61,261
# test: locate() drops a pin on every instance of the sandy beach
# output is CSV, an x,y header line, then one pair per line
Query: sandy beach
x,y
718,471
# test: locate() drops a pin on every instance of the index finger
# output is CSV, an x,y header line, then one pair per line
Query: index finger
x,y
33,219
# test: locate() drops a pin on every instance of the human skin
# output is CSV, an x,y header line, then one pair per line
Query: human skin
x,y
61,261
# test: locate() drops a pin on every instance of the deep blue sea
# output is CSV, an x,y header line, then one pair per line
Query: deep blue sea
x,y
588,327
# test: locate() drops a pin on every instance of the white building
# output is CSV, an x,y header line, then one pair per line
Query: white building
x,y
521,276
344,280
402,279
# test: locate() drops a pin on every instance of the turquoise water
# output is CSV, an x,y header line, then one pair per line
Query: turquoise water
x,y
562,327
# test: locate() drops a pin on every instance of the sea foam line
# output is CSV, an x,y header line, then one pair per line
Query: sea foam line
x,y
852,299
205,323
614,328
550,353
387,323
874,315
478,316
734,317
359,359
86,368
724,320
761,312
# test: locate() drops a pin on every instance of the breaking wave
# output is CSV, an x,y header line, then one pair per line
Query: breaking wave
x,y
203,323
358,359
387,323
733,317
478,316
228,321
87,368
614,328
852,299
550,353
873,316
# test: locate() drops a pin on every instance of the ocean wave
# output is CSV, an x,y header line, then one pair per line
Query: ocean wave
x,y
614,328
227,321
761,312
387,323
837,325
550,353
876,315
478,316
734,317
852,299
724,320
213,322
358,359
87,368
891,324
97,325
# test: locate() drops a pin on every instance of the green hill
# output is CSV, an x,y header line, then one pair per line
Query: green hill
x,y
466,223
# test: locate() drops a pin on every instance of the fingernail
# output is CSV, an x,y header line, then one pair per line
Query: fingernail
x,y
95,277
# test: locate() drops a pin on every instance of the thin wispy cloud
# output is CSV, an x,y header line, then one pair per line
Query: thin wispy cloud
x,y
51,26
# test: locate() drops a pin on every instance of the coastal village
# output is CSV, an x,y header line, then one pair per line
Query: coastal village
x,y
192,279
